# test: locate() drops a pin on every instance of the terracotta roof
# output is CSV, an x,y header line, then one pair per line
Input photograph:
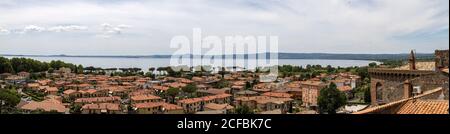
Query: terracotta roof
x,y
213,91
162,88
168,106
102,106
424,107
144,97
47,106
33,85
206,98
397,103
246,92
97,99
51,89
312,83
215,106
70,91
278,95
164,105
344,88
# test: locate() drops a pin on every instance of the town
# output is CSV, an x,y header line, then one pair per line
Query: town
x,y
414,87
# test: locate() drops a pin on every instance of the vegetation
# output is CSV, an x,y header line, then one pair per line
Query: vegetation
x,y
190,88
330,99
222,84
9,98
15,65
173,92
244,110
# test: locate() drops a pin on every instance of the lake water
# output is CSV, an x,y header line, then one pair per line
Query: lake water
x,y
145,63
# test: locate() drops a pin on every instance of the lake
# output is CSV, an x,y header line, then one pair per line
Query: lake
x,y
145,63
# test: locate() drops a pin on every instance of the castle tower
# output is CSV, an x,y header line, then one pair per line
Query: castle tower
x,y
412,61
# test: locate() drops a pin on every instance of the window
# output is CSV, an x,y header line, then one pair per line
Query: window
x,y
379,90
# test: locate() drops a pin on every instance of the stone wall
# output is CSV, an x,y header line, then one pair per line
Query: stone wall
x,y
441,58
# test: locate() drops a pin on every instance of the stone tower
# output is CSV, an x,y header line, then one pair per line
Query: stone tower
x,y
412,61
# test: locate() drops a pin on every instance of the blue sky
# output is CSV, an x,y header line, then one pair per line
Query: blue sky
x,y
145,27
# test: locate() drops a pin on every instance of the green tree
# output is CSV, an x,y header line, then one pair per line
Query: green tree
x,y
190,88
244,109
5,66
9,97
173,92
330,99
373,64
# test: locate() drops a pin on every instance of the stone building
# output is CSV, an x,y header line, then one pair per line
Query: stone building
x,y
394,84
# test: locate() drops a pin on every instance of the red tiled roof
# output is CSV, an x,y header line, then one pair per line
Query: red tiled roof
x,y
278,95
424,107
144,97
102,106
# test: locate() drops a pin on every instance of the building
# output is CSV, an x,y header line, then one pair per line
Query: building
x,y
394,84
430,102
311,91
265,103
82,101
157,108
145,98
194,105
101,108
49,105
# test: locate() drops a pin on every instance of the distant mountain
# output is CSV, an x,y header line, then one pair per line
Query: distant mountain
x,y
329,56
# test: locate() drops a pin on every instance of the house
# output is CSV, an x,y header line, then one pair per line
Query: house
x,y
145,98
212,91
112,99
225,108
101,108
193,105
33,86
72,94
310,92
157,108
265,103
51,90
246,93
24,74
48,105
278,95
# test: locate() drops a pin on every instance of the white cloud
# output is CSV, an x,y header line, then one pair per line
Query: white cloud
x,y
33,28
358,26
4,31
109,30
68,28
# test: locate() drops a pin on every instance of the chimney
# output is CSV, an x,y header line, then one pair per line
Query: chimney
x,y
407,89
412,61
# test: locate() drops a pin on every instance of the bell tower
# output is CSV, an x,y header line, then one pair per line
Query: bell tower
x,y
412,61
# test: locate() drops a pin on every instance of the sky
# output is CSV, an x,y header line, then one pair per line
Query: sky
x,y
146,27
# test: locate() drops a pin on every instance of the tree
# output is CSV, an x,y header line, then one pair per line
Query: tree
x,y
80,69
9,97
190,88
330,99
173,92
5,66
373,64
248,85
244,110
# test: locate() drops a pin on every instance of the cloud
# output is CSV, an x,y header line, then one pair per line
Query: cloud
x,y
344,26
68,28
4,31
33,28
109,30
